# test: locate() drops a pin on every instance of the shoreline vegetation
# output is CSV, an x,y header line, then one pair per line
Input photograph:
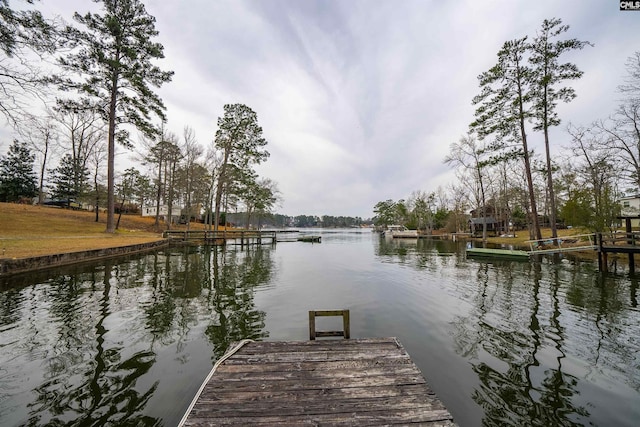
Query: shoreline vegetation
x,y
28,231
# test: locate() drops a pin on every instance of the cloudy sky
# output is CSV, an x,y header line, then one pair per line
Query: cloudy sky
x,y
359,100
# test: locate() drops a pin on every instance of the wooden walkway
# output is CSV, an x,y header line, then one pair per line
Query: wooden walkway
x,y
358,382
621,243
221,237
572,243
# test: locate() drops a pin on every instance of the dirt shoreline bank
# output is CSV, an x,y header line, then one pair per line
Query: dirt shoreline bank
x,y
11,266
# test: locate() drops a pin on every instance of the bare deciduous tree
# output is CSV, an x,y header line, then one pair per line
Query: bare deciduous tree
x,y
467,154
42,135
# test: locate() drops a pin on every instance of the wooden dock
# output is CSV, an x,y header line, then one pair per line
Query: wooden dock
x,y
222,237
621,243
309,238
359,382
498,253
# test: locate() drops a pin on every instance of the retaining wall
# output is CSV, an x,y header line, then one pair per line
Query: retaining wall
x,y
22,265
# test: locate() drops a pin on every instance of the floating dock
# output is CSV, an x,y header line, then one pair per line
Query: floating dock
x,y
327,382
498,253
309,238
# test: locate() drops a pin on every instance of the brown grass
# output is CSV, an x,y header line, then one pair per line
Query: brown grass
x,y
27,231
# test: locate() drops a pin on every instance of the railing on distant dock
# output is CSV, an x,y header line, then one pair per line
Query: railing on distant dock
x,y
578,242
626,243
221,237
619,240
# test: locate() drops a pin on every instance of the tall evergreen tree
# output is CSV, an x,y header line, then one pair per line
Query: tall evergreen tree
x,y
114,57
503,108
70,179
17,177
22,32
239,139
547,75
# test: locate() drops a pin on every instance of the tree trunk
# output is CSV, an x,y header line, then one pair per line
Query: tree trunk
x,y
219,187
171,195
111,168
120,214
95,184
484,209
552,197
210,203
159,193
111,149
535,233
188,207
42,171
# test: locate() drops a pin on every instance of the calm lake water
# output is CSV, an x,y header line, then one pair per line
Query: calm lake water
x,y
127,342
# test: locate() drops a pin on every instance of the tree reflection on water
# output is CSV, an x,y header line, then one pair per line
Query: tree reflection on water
x,y
85,341
88,382
514,396
516,339
234,277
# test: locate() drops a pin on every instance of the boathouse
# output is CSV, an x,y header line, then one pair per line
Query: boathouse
x,y
475,225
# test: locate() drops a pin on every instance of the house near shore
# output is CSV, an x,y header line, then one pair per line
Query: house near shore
x,y
497,220
630,207
476,225
163,212
179,214
151,210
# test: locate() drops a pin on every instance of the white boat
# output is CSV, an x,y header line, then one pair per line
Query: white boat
x,y
400,231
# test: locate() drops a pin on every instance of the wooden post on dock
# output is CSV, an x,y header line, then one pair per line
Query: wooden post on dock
x,y
346,333
630,241
602,254
597,237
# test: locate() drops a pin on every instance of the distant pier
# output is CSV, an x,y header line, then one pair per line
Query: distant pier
x,y
623,243
222,237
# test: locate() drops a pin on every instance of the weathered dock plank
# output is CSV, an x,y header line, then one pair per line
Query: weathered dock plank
x,y
336,382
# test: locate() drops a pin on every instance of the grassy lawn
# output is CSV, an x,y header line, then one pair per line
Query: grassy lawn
x,y
27,231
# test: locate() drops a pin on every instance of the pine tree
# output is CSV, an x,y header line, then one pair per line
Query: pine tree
x,y
22,32
503,108
17,177
70,179
239,139
547,74
113,57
